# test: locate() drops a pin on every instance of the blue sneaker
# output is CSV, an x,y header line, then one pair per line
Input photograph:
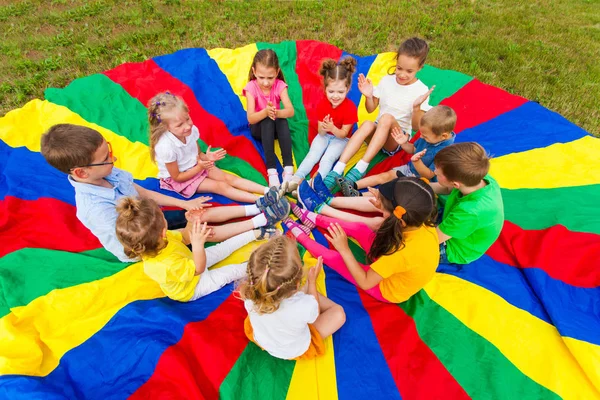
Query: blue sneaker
x,y
278,211
308,198
354,175
330,180
321,189
270,198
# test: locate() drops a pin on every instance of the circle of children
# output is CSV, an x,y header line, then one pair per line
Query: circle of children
x,y
404,243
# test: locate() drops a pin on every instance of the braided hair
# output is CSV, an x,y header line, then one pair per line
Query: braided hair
x,y
274,273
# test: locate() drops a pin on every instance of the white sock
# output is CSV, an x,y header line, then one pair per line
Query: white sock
x,y
251,210
288,173
259,220
362,166
297,231
339,167
289,169
265,190
273,177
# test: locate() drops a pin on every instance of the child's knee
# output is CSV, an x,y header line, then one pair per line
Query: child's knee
x,y
339,314
386,119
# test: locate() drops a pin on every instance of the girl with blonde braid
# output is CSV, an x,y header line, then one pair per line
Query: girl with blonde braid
x,y
288,321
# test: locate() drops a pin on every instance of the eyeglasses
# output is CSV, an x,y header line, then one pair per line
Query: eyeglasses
x,y
110,157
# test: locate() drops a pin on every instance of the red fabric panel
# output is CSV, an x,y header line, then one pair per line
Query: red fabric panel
x,y
476,103
43,223
195,367
144,80
551,250
417,371
398,159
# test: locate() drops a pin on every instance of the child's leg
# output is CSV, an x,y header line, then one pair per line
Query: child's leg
x,y
357,230
331,319
374,180
213,280
219,252
266,130
285,141
236,181
317,148
224,232
225,213
380,137
372,223
225,189
357,139
332,154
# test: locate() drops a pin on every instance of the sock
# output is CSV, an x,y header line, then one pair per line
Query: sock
x,y
288,170
265,190
297,231
312,217
362,166
339,167
259,220
251,210
273,177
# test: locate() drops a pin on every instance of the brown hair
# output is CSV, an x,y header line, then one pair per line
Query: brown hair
x,y
342,71
418,199
158,106
140,223
414,47
67,146
440,119
267,58
274,273
467,163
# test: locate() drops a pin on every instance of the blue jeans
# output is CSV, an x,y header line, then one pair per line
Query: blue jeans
x,y
326,148
443,255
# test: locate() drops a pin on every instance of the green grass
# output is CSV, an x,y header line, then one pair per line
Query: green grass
x,y
546,51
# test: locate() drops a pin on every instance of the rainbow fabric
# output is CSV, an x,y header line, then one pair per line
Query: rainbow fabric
x,y
523,322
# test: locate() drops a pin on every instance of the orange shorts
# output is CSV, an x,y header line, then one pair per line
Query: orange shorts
x,y
316,348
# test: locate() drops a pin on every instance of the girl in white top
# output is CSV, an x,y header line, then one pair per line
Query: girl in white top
x,y
402,101
287,321
182,167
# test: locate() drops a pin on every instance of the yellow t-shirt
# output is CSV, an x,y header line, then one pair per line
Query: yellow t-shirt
x,y
173,268
406,271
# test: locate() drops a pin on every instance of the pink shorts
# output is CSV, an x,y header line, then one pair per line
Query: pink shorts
x,y
188,188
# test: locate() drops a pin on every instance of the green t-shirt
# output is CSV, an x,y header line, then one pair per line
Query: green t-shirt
x,y
473,221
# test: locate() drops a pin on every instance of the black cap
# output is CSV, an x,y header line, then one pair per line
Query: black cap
x,y
387,191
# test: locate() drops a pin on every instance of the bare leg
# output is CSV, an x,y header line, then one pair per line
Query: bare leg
x,y
235,181
357,139
221,214
379,179
223,232
373,223
354,203
381,136
225,189
331,319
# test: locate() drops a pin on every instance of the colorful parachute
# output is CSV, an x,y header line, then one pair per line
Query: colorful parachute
x,y
523,322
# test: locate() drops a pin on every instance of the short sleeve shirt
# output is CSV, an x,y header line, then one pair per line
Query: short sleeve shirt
x,y
344,114
260,99
409,269
170,149
173,269
432,150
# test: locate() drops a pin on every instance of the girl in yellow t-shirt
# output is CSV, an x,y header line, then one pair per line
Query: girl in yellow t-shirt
x,y
182,274
404,251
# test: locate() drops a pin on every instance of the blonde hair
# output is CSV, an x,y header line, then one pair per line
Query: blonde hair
x,y
274,273
159,105
440,119
140,223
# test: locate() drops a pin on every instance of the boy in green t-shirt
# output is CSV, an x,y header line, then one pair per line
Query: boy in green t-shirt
x,y
473,214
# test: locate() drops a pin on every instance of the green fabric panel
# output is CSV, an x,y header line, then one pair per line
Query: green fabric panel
x,y
477,365
446,82
27,274
286,52
543,208
257,375
98,99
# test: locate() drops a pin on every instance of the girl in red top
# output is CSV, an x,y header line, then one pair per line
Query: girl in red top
x,y
336,115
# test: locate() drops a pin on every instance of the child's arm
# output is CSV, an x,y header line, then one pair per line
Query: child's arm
x,y
200,232
439,189
163,200
213,156
402,139
253,116
366,88
288,109
179,176
420,166
329,126
364,279
442,237
417,113
311,283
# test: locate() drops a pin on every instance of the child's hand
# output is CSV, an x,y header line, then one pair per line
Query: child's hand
x,y
321,130
197,203
271,111
215,155
205,165
365,86
421,99
313,273
375,198
194,214
337,237
417,156
400,136
200,233
328,125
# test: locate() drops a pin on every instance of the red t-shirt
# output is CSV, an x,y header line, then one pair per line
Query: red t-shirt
x,y
344,114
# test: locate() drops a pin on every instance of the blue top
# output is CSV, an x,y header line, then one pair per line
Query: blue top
x,y
432,150
96,208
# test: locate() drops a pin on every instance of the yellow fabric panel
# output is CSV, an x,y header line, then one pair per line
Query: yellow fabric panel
x,y
280,157
539,352
588,357
34,337
25,127
235,64
355,158
560,165
315,379
378,70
